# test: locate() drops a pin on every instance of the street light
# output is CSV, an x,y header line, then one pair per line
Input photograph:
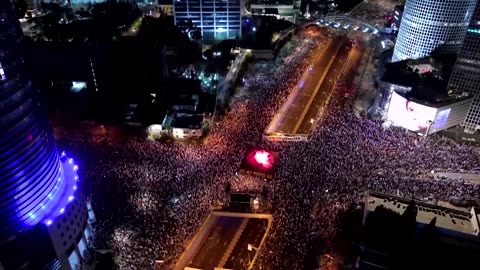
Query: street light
x,y
430,123
250,247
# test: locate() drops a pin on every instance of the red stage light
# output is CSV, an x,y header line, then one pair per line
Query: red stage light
x,y
263,158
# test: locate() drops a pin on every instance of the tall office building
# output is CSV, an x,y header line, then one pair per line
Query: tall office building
x,y
217,19
44,218
432,25
466,73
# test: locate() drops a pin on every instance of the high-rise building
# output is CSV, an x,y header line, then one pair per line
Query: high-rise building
x,y
432,25
44,218
217,19
466,73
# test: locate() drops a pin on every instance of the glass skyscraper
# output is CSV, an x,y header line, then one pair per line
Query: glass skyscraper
x,y
217,19
43,214
432,25
466,73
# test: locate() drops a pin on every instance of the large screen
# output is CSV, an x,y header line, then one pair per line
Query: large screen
x,y
442,118
408,114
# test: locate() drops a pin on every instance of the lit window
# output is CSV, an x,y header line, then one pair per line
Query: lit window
x,y
2,73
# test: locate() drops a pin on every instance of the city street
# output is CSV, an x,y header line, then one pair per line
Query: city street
x,y
226,244
213,248
292,113
324,90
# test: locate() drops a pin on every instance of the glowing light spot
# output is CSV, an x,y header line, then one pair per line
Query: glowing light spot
x,y
32,215
70,161
262,158
59,179
76,177
63,154
74,187
62,210
75,167
70,198
49,222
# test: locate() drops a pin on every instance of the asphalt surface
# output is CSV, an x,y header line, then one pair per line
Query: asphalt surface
x,y
340,66
350,71
300,105
212,249
253,233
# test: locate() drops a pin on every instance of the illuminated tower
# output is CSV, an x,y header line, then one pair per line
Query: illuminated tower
x,y
217,19
44,219
429,25
466,73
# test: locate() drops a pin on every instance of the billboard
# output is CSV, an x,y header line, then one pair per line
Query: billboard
x,y
409,114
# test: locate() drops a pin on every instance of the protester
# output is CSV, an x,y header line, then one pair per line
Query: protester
x,y
150,197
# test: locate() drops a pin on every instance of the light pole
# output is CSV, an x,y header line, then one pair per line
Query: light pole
x,y
250,247
430,123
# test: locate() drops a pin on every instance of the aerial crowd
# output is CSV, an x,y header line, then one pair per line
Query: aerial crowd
x,y
151,197
373,11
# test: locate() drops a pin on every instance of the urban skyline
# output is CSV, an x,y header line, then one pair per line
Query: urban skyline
x,y
153,136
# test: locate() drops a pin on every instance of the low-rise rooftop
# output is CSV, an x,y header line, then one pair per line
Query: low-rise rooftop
x,y
446,218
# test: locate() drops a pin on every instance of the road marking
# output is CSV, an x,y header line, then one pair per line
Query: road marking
x,y
317,87
233,243
282,113
259,248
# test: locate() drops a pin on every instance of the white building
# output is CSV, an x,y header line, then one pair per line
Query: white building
x,y
186,126
438,25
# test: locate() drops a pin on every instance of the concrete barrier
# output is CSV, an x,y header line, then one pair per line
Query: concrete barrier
x,y
287,138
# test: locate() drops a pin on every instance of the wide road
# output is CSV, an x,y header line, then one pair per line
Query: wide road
x,y
300,99
214,246
241,257
334,73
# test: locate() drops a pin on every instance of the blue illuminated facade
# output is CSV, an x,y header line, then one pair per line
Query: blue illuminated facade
x,y
38,185
217,19
432,26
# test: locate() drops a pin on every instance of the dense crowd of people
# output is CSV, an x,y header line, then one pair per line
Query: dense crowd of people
x,y
151,197
373,11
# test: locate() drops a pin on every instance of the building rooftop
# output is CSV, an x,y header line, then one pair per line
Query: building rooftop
x,y
395,73
446,218
425,78
399,233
